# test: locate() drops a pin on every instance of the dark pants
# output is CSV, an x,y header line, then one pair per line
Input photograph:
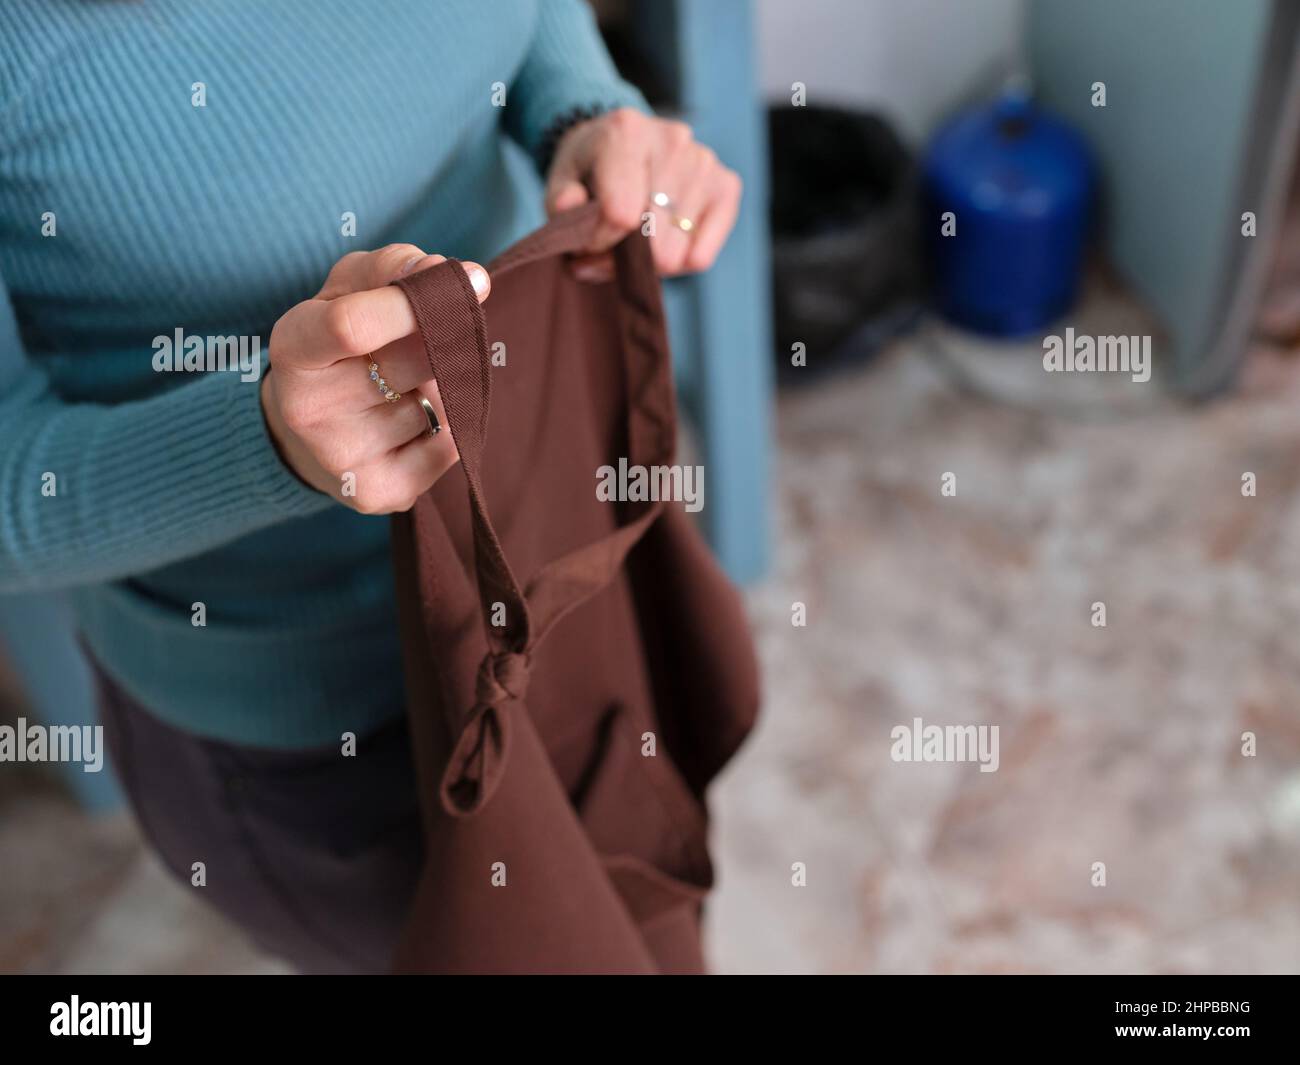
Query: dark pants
x,y
313,854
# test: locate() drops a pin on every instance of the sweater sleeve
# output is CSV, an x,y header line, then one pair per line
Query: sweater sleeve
x,y
92,492
567,71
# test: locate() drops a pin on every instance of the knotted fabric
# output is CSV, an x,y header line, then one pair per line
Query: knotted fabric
x,y
564,724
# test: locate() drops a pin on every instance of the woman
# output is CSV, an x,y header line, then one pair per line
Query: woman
x,y
177,181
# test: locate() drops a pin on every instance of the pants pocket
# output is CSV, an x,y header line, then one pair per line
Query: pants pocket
x,y
313,855
338,841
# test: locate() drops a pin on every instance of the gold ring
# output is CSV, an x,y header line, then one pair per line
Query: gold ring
x,y
683,223
435,426
389,394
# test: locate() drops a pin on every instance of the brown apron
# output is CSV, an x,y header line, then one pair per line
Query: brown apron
x,y
577,670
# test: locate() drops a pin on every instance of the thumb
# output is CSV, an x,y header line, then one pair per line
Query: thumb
x,y
565,194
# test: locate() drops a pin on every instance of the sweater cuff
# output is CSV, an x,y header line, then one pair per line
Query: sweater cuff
x,y
550,117
268,482
545,151
567,71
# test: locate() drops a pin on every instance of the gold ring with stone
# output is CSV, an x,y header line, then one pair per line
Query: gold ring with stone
x,y
391,395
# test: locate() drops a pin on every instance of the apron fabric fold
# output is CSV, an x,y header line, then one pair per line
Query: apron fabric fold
x,y
578,669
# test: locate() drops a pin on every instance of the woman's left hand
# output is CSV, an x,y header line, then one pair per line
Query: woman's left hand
x,y
633,164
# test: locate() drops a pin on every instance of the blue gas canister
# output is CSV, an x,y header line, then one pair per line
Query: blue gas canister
x,y
1019,185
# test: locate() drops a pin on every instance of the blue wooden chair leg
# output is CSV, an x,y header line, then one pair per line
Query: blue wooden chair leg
x,y
38,637
731,379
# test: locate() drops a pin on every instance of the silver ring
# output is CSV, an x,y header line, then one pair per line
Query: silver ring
x,y
435,426
662,199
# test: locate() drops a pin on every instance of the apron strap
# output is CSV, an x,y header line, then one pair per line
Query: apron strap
x,y
453,327
454,332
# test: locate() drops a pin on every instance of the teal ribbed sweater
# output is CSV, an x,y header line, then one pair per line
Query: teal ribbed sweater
x,y
127,212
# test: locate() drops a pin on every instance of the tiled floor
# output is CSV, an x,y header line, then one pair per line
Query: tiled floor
x,y
1118,744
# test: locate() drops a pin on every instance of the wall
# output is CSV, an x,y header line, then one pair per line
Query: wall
x,y
1181,78
912,60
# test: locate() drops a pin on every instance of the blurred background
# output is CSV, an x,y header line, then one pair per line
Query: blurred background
x,y
1118,168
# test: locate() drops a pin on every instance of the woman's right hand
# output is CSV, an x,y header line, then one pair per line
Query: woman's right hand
x,y
332,425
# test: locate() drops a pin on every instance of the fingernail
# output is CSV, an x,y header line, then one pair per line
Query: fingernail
x,y
411,264
479,279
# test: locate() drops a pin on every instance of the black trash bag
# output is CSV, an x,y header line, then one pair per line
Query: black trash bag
x,y
845,260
